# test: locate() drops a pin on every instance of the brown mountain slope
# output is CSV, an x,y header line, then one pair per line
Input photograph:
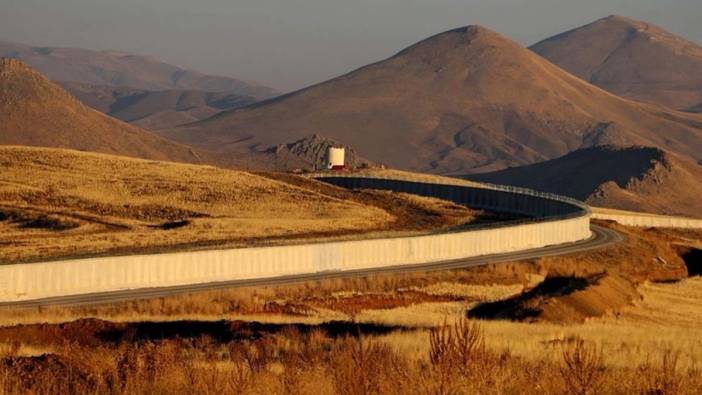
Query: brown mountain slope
x,y
155,109
632,178
632,59
462,101
123,69
37,112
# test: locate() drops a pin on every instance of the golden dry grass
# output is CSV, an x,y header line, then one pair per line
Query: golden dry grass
x,y
411,176
232,357
667,318
650,346
58,203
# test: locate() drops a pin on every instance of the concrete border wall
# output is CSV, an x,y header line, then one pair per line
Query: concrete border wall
x,y
505,199
554,221
649,221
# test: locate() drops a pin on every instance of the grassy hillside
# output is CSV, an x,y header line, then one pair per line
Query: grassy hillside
x,y
66,203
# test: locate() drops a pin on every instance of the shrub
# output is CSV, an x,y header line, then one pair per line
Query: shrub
x,y
582,369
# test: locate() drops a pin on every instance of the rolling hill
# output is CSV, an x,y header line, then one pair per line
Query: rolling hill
x,y
631,58
631,178
463,101
57,203
155,109
36,112
116,68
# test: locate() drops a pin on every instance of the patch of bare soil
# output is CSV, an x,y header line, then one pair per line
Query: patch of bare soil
x,y
563,300
355,303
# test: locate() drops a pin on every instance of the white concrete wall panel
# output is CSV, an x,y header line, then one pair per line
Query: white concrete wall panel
x,y
651,221
104,274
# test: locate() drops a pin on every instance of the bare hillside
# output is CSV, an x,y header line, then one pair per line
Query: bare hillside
x,y
117,68
37,112
155,109
633,178
632,59
463,101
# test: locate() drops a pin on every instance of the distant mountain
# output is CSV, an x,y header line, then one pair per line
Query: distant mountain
x,y
632,59
115,68
36,112
632,178
463,101
155,109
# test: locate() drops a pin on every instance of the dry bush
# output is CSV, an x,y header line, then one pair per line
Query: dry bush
x,y
362,367
313,362
458,346
583,368
663,378
460,360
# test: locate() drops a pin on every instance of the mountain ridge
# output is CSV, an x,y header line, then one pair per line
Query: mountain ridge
x,y
616,53
466,100
117,68
36,112
155,109
632,178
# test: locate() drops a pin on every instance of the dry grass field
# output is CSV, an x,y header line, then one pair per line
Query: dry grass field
x,y
60,203
622,320
411,176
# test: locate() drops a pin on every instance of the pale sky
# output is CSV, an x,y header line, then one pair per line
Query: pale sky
x,y
288,44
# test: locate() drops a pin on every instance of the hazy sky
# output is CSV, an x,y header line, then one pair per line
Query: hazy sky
x,y
288,44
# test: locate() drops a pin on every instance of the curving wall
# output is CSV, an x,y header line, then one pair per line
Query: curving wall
x,y
649,220
550,220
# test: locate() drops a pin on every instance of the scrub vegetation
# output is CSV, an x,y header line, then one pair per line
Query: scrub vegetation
x,y
606,321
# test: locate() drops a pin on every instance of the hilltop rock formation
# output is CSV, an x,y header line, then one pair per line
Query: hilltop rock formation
x,y
310,153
